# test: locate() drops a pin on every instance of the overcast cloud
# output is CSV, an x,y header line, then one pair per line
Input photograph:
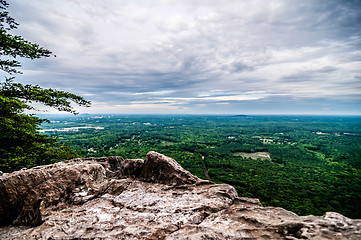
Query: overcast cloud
x,y
187,56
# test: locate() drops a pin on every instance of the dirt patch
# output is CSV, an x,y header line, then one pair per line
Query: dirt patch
x,y
256,155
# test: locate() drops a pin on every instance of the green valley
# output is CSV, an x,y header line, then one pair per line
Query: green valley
x,y
306,164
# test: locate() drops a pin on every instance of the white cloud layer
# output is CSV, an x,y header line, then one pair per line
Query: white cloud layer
x,y
199,56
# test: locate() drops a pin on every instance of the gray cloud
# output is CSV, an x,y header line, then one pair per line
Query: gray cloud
x,y
192,56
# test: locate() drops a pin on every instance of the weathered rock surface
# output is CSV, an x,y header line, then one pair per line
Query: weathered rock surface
x,y
155,198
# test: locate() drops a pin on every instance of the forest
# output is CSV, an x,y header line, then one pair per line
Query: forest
x,y
305,164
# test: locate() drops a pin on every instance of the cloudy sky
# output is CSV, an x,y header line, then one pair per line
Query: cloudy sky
x,y
204,57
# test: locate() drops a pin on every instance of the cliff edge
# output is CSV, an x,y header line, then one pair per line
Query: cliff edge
x,y
154,198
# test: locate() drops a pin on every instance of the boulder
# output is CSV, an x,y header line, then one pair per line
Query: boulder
x,y
155,198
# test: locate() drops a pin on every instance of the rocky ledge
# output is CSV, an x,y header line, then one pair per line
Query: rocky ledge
x,y
155,198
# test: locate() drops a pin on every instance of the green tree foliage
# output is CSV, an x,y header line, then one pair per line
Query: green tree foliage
x,y
14,46
21,145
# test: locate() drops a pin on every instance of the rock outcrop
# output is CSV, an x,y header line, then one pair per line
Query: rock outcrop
x,y
155,198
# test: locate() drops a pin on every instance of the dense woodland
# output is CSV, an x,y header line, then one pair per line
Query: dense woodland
x,y
306,164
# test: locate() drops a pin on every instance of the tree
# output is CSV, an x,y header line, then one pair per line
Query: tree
x,y
21,144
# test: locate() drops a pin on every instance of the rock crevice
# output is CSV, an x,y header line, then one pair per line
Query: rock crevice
x,y
154,198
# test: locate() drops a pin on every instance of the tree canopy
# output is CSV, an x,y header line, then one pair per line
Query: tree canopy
x,y
21,143
14,46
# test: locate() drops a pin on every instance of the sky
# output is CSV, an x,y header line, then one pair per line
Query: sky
x,y
198,57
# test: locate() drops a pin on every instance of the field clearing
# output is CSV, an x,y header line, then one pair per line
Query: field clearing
x,y
256,155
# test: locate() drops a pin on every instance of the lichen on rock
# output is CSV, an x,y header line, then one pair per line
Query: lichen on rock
x,y
154,198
